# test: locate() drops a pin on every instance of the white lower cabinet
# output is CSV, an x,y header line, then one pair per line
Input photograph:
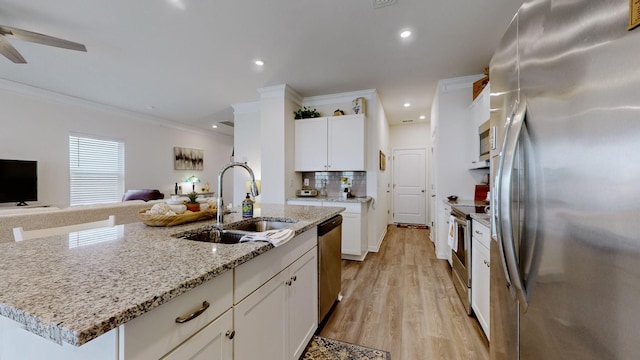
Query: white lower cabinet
x,y
355,239
480,274
279,318
211,343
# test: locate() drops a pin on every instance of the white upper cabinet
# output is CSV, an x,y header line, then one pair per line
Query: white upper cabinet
x,y
335,143
478,114
311,144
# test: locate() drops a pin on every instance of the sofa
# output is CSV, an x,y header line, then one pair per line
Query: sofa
x,y
46,217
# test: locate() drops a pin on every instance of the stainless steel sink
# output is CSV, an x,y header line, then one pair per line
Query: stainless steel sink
x,y
226,236
234,233
261,225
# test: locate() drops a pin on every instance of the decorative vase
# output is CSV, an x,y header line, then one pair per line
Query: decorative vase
x,y
193,207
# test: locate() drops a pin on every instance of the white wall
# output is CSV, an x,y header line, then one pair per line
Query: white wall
x,y
35,125
247,145
410,135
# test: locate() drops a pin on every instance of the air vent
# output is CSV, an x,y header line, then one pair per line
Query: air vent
x,y
382,3
407,121
228,123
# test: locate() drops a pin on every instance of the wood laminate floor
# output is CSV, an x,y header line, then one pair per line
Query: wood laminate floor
x,y
402,300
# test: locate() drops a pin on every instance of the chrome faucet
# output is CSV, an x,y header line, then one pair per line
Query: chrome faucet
x,y
254,188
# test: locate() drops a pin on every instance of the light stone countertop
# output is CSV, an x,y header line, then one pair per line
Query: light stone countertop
x,y
363,199
73,294
484,219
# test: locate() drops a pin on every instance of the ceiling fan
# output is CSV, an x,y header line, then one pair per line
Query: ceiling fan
x,y
12,54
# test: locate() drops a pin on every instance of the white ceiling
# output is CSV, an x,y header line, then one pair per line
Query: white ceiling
x,y
189,60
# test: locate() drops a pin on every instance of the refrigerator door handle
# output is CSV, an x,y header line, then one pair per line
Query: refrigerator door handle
x,y
496,207
505,219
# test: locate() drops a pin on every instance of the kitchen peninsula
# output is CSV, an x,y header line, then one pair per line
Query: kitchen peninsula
x,y
77,297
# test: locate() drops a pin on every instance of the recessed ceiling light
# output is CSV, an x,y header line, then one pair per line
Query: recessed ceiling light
x,y
405,34
407,104
178,4
214,126
259,62
422,117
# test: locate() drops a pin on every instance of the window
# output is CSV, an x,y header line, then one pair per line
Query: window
x,y
96,169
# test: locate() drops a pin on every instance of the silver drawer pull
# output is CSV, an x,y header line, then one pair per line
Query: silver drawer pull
x,y
478,232
193,315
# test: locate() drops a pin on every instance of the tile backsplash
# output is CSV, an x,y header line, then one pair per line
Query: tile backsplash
x,y
332,181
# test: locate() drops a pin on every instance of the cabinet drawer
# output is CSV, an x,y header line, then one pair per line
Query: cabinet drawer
x,y
155,333
252,274
481,233
349,206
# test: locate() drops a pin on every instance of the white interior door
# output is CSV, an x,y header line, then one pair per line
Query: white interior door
x,y
409,186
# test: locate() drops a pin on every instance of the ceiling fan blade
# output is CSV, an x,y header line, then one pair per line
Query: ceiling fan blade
x,y
35,37
10,52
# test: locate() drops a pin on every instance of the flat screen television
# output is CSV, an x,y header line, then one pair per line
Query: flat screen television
x,y
18,181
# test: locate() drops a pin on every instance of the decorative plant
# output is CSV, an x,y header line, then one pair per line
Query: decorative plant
x,y
192,197
306,113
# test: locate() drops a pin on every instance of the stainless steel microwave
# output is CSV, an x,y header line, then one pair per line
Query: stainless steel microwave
x,y
484,132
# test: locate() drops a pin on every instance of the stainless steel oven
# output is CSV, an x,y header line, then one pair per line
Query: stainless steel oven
x,y
461,257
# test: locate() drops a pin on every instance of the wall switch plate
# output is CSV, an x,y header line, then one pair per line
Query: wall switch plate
x,y
306,182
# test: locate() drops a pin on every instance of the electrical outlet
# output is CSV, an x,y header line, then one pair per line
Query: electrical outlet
x,y
306,182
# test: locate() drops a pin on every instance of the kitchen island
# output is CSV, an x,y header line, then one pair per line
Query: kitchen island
x,y
72,292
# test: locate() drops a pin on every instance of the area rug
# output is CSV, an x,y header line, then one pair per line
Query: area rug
x,y
321,348
412,226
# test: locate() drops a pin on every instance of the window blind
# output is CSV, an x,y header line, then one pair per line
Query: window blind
x,y
96,168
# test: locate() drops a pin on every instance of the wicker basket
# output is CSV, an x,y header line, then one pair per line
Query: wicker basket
x,y
172,220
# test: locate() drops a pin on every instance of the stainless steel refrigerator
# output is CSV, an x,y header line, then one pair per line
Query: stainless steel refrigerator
x,y
565,115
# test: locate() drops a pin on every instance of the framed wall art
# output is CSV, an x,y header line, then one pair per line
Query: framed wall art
x,y
188,159
383,161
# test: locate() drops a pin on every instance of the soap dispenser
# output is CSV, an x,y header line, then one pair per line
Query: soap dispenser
x,y
247,207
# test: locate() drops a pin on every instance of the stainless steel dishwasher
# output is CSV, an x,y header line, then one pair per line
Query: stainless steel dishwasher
x,y
329,264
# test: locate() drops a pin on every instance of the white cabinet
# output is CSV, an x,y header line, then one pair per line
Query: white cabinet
x,y
480,274
278,319
156,333
334,143
478,114
302,292
355,239
211,343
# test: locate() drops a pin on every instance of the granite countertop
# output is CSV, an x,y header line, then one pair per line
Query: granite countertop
x,y
70,292
484,219
357,199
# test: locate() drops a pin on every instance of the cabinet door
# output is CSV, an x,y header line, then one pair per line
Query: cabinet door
x,y
303,302
310,144
210,343
351,234
261,323
480,275
346,148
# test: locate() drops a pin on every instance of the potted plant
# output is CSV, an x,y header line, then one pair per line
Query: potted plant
x,y
306,113
193,204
